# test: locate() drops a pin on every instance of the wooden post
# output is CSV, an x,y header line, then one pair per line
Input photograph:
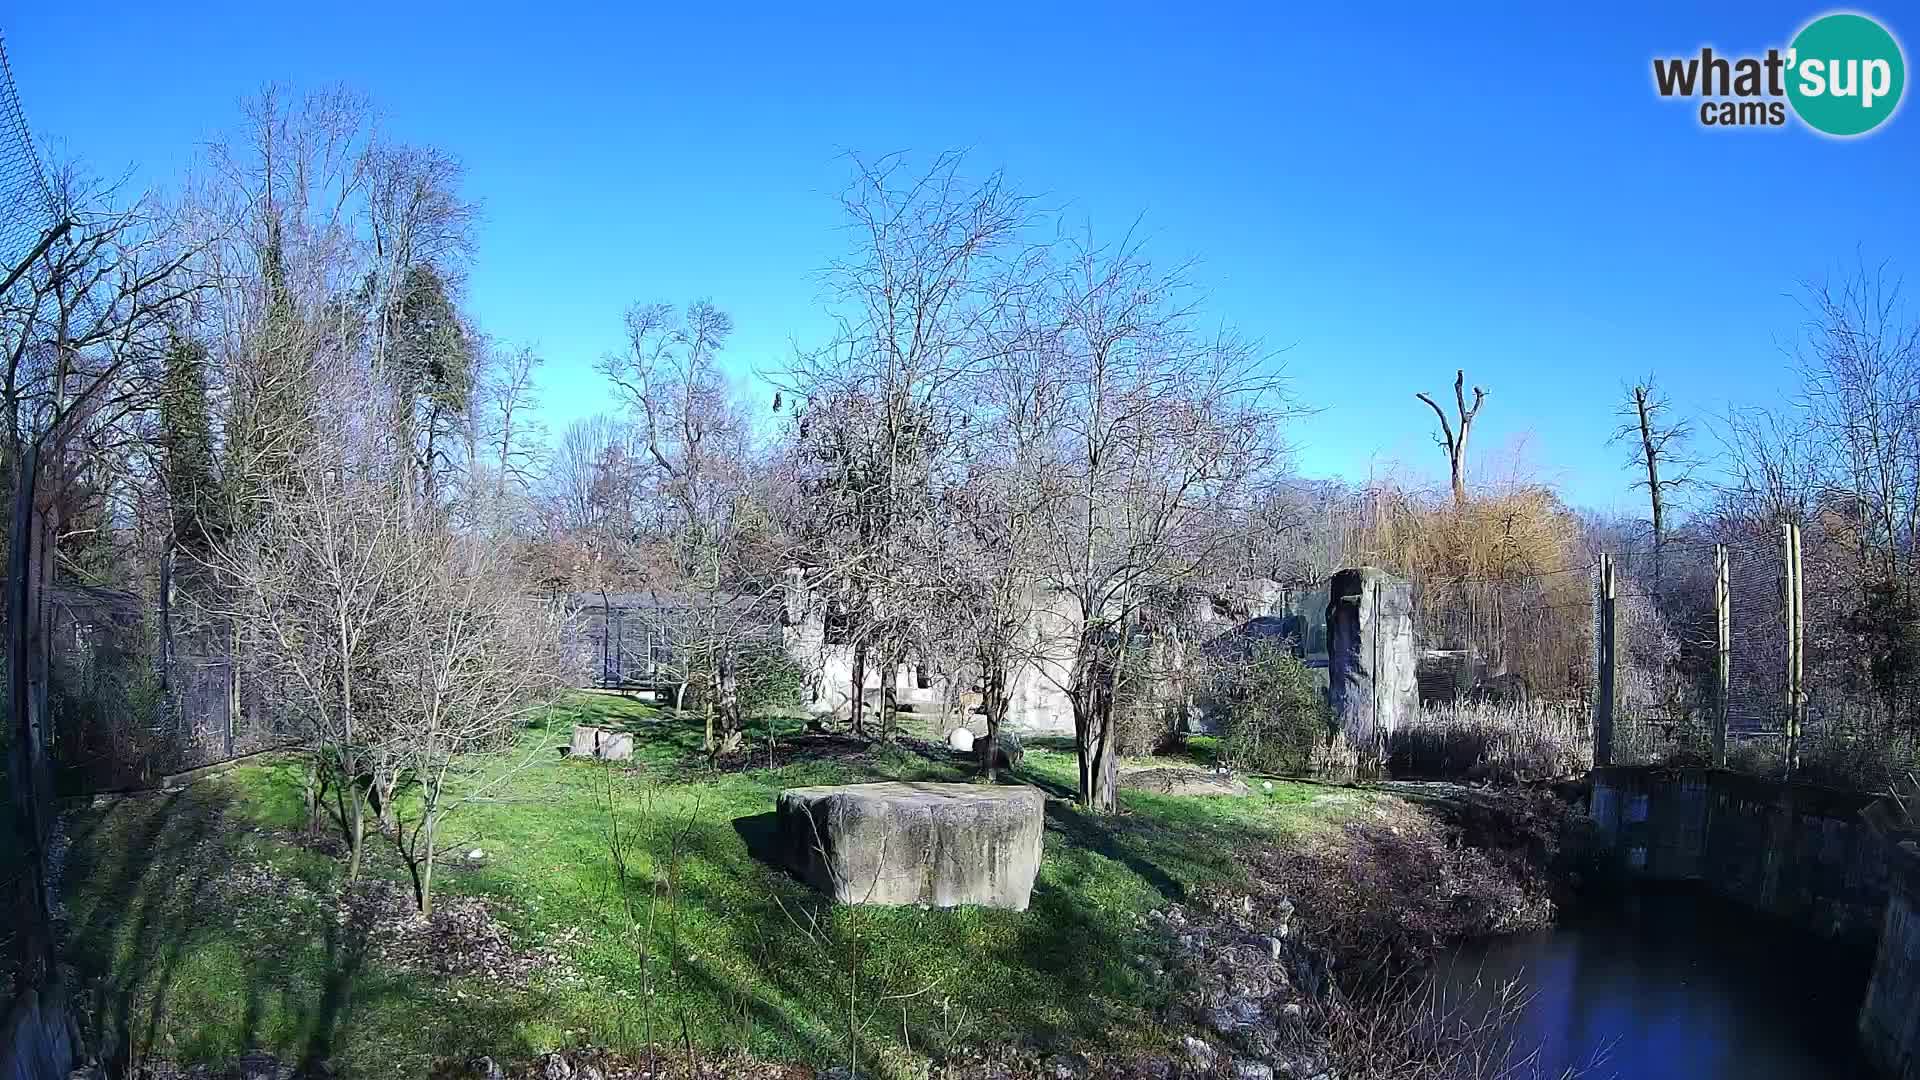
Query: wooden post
x,y
1723,666
1603,704
1792,606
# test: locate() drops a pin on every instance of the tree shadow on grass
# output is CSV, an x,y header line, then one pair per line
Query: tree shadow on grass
x,y
192,948
1104,838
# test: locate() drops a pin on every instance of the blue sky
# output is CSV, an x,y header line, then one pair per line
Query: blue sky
x,y
1389,192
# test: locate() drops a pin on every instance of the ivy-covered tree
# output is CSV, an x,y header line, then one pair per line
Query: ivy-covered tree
x,y
430,366
186,441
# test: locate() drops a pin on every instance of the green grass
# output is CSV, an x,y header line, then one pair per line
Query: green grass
x,y
745,957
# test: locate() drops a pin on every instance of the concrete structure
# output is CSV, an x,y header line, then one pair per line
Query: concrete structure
x,y
1832,862
1037,705
1890,1016
909,843
605,744
1799,852
1371,678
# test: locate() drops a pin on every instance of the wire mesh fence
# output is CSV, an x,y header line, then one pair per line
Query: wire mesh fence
x,y
1778,635
1506,670
26,200
1677,668
27,215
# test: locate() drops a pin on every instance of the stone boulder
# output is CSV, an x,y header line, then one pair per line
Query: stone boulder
x,y
1182,782
1010,754
605,744
915,843
960,739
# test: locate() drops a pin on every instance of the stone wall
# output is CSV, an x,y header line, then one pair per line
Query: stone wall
x,y
1796,851
1037,704
1890,1018
1826,860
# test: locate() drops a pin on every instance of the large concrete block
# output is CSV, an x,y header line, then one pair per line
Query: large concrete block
x,y
1373,684
909,843
603,743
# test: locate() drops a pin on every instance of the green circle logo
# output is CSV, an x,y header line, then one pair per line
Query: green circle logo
x,y
1845,74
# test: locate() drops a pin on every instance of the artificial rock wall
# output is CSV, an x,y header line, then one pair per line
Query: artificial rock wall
x,y
1371,681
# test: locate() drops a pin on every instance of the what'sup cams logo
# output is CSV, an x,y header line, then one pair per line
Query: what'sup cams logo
x,y
1842,76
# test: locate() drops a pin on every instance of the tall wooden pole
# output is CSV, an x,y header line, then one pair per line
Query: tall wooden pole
x,y
1603,704
1723,667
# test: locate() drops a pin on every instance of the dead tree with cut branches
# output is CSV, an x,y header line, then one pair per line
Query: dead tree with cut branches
x,y
1455,444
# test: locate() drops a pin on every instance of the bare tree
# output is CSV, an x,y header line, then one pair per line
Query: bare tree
x,y
318,585
1859,368
922,304
1159,433
1000,592
1454,444
511,430
697,445
1660,450
474,657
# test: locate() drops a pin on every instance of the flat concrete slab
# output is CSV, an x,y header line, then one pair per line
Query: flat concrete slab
x,y
895,842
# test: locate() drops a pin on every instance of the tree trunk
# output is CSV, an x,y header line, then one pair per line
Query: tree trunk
x,y
356,818
166,622
1103,771
857,703
1651,453
732,724
993,696
311,783
387,779
1093,729
428,828
890,692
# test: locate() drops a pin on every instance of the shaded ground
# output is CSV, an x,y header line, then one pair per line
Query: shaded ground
x,y
202,926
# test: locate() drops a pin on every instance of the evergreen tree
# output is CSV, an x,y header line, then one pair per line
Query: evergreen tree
x,y
430,365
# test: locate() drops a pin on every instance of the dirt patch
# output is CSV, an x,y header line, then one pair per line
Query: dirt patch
x,y
834,747
461,939
1165,781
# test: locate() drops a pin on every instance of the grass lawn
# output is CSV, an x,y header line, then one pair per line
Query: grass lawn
x,y
201,926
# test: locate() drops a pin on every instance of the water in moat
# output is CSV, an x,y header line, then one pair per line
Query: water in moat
x,y
1677,983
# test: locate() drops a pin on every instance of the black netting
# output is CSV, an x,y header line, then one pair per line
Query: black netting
x,y
26,201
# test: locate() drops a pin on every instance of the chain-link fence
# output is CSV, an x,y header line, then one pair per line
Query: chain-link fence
x,y
138,694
